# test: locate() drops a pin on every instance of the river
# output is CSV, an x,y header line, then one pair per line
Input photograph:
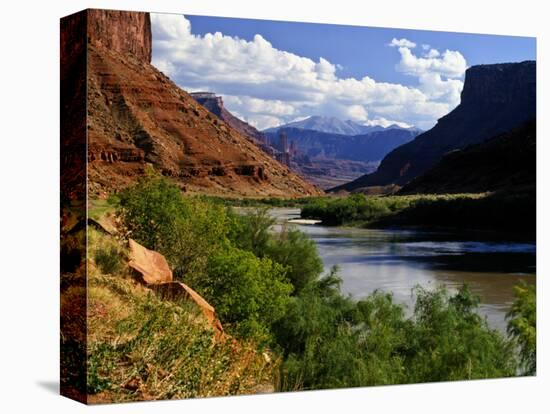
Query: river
x,y
397,260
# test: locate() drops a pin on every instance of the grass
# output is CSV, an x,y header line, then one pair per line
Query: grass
x,y
100,207
108,259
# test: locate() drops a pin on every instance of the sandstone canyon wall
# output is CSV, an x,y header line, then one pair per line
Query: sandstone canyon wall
x,y
136,116
128,33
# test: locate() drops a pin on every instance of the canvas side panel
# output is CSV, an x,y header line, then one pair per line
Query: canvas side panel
x,y
73,206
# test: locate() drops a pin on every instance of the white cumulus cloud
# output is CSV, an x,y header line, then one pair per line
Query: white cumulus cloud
x,y
402,43
439,74
267,86
450,64
432,53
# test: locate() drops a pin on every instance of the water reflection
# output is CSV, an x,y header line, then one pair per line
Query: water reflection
x,y
398,260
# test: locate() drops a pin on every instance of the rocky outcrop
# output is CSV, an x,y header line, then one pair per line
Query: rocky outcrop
x,y
495,99
210,101
128,33
136,116
155,273
152,266
215,105
254,171
114,154
500,84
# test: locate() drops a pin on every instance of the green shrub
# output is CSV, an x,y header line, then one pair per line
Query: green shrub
x,y
258,202
522,326
185,230
450,341
331,341
463,211
100,362
248,292
298,253
206,246
251,231
150,210
353,209
291,248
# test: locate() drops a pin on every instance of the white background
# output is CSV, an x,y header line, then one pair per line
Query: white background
x,y
29,159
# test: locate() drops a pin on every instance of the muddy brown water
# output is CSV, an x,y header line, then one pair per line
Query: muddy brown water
x,y
398,260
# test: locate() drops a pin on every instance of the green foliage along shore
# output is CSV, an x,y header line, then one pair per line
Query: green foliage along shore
x,y
269,289
505,213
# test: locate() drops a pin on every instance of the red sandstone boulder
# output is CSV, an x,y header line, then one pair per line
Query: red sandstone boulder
x,y
156,274
152,266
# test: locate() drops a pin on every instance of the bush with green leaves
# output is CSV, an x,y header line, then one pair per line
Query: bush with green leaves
x,y
248,292
450,341
150,210
356,208
289,247
333,342
298,253
487,211
185,230
251,230
522,326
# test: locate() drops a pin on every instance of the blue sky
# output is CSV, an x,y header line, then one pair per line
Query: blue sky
x,y
274,72
362,50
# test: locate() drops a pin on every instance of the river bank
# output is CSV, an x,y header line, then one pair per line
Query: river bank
x,y
491,215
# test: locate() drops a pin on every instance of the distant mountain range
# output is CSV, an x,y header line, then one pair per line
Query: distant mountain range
x,y
366,147
329,151
495,99
334,125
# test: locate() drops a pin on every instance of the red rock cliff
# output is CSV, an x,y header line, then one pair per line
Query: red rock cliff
x,y
128,33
